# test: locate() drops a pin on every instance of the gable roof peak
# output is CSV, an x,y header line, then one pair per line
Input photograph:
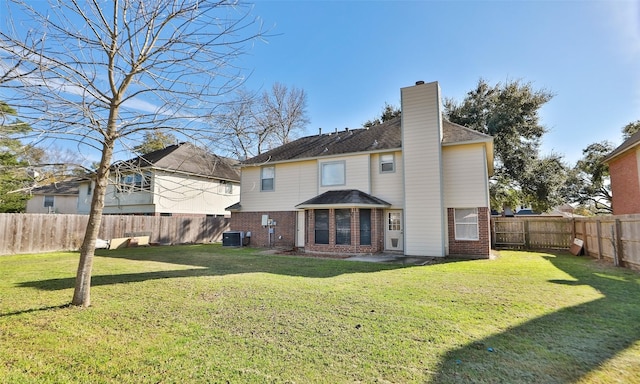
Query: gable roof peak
x,y
185,157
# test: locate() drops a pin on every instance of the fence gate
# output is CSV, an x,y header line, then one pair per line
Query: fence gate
x,y
508,233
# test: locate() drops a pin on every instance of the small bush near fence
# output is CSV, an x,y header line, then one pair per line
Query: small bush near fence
x,y
615,239
32,233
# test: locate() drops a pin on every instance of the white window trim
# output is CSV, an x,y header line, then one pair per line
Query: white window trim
x,y
344,171
273,188
393,162
455,225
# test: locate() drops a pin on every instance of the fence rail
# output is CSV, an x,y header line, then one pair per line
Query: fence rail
x,y
612,238
32,233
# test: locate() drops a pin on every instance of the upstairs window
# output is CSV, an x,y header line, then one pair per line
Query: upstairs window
x,y
387,163
466,223
267,178
332,174
226,187
134,182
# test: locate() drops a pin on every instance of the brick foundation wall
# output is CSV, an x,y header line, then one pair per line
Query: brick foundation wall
x,y
377,234
625,187
475,248
252,221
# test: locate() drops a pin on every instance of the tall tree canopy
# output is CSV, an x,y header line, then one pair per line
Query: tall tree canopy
x,y
629,129
510,113
102,73
388,112
14,161
588,183
153,141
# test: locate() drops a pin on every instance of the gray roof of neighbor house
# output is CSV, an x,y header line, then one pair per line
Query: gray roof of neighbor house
x,y
631,142
381,137
351,197
67,187
185,158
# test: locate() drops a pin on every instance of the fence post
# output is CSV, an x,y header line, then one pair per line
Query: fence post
x,y
525,229
493,231
585,237
573,229
599,235
618,260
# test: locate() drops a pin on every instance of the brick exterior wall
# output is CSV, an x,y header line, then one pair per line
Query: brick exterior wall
x,y
377,234
473,248
625,186
252,221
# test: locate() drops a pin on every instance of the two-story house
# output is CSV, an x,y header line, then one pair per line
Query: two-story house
x,y
179,180
416,184
624,171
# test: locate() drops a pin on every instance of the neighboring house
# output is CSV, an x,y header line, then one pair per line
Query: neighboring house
x,y
525,210
60,197
624,171
416,184
180,179
565,210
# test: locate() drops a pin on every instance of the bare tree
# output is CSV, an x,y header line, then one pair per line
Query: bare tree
x,y
283,112
258,123
102,73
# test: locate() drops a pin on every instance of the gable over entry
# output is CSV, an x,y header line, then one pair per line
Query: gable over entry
x,y
348,221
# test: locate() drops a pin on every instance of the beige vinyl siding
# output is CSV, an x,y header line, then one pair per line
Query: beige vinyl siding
x,y
84,198
294,183
387,186
465,176
356,173
424,228
66,204
114,198
176,193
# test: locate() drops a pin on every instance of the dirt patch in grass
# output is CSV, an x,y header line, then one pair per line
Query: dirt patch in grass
x,y
295,252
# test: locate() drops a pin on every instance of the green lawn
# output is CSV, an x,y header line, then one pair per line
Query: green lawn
x,y
205,313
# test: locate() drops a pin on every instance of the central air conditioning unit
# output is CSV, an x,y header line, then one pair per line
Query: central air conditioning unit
x,y
232,238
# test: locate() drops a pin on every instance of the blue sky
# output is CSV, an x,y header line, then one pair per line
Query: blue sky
x,y
351,57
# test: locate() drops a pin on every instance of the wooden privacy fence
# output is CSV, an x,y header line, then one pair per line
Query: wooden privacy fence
x,y
612,238
32,233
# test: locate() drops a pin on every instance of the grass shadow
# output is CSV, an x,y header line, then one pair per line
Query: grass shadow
x,y
211,260
31,310
561,347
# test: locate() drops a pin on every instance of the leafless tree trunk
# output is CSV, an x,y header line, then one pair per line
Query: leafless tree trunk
x,y
101,74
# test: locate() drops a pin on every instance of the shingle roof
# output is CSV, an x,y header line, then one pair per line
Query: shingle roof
x,y
350,197
188,158
68,187
631,142
453,133
233,207
385,136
